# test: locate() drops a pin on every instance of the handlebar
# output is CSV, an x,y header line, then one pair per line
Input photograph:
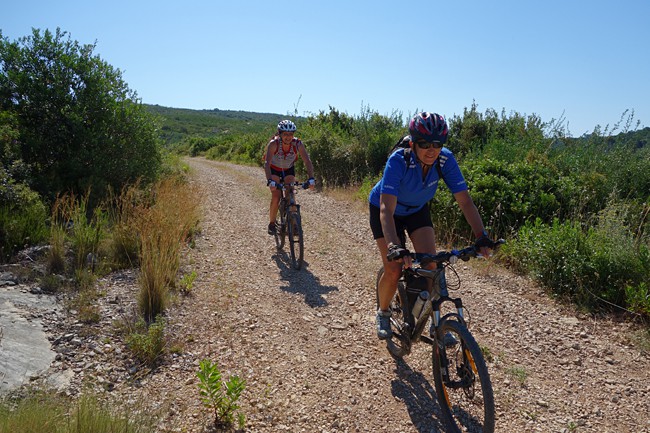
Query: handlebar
x,y
281,186
452,256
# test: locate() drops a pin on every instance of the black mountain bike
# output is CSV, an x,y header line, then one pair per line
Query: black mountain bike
x,y
288,226
460,375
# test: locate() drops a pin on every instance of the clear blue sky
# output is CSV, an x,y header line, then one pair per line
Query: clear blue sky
x,y
585,60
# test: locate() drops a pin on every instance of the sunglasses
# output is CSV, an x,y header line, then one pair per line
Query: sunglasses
x,y
425,144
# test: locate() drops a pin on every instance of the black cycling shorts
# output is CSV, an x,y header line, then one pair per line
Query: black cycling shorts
x,y
284,173
410,223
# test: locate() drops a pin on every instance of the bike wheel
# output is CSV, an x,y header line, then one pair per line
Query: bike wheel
x,y
462,381
280,231
399,344
296,244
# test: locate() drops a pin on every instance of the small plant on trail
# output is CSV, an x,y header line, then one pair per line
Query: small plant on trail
x,y
147,342
187,281
222,402
519,373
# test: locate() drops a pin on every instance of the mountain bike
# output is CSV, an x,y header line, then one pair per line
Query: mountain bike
x,y
289,226
460,374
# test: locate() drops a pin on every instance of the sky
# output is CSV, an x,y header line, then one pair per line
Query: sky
x,y
585,63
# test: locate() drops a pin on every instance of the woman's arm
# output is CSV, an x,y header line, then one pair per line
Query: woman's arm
x,y
387,205
470,212
307,161
271,149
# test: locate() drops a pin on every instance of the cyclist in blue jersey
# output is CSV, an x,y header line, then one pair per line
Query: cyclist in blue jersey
x,y
398,203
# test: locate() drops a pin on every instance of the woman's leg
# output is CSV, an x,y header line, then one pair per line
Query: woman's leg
x,y
424,241
275,201
388,281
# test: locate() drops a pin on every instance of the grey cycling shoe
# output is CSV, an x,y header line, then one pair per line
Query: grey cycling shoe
x,y
383,325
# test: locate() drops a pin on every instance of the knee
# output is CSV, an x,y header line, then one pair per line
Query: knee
x,y
392,272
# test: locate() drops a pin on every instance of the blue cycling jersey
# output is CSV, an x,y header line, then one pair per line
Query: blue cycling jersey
x,y
407,184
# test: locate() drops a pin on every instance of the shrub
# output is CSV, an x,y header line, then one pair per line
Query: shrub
x,y
23,217
147,342
79,126
601,265
222,402
85,234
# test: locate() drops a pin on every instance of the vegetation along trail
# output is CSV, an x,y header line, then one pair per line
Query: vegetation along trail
x,y
304,341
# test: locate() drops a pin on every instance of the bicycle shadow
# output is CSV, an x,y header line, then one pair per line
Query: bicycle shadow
x,y
419,396
301,281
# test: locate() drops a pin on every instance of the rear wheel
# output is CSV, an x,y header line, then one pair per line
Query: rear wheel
x,y
296,244
462,380
400,343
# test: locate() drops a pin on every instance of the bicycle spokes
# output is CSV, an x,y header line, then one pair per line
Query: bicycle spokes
x,y
462,380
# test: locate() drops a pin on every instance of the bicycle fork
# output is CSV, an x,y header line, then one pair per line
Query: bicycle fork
x,y
438,340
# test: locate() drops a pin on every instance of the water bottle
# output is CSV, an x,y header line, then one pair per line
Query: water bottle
x,y
419,304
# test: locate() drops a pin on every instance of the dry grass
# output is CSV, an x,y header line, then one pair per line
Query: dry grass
x,y
164,226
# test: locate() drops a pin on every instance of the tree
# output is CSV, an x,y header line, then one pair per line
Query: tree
x,y
79,125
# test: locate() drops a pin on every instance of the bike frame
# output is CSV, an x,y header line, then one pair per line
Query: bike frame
x,y
288,196
289,213
438,296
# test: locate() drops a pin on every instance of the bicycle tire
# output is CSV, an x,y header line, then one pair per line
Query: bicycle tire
x,y
281,230
296,243
399,345
466,398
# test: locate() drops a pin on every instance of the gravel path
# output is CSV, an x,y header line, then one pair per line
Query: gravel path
x,y
304,341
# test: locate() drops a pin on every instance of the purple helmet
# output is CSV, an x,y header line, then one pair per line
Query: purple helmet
x,y
428,127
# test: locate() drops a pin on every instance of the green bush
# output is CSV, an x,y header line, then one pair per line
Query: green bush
x,y
79,125
556,255
598,266
23,217
347,149
147,343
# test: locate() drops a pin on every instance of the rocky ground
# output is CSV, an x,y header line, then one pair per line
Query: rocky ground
x,y
304,341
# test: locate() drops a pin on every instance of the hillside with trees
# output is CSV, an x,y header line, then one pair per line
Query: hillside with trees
x,y
577,206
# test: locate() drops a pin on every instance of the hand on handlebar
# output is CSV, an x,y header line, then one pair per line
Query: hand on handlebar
x,y
396,252
484,245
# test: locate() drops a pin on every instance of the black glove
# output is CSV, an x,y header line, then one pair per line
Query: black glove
x,y
484,242
396,252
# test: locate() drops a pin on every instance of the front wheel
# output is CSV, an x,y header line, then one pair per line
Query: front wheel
x,y
296,243
462,380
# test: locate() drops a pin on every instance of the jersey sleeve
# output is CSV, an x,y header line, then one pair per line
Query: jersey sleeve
x,y
393,173
451,172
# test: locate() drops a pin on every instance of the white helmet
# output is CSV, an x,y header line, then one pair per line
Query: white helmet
x,y
286,126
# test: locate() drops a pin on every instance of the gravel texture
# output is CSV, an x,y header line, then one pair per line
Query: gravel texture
x,y
305,342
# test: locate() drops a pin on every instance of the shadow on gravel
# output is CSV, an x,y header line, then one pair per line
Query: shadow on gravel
x,y
302,281
419,396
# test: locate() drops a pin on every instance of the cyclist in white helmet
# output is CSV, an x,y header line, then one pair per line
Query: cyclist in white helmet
x,y
282,152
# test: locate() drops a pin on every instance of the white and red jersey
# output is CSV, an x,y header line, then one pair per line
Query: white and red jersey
x,y
284,159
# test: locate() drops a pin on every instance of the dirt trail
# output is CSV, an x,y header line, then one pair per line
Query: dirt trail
x,y
304,341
